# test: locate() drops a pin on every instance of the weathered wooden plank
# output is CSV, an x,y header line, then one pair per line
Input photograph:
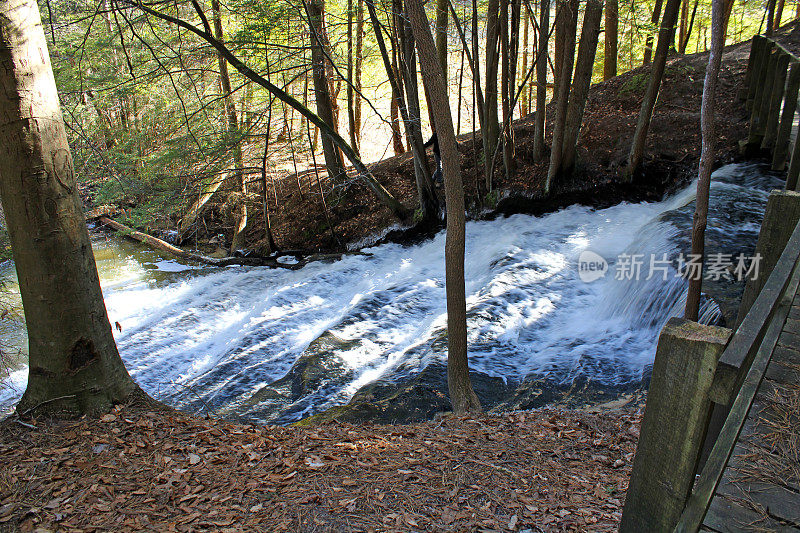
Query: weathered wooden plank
x,y
777,501
780,220
781,152
760,88
701,497
674,425
775,99
727,516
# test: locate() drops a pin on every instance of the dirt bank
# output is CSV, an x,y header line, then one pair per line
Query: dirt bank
x,y
673,151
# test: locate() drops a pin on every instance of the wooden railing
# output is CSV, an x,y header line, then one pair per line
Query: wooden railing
x,y
750,349
771,86
678,427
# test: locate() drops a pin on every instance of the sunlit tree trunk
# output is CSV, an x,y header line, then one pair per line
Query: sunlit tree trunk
x,y
232,123
611,39
74,363
665,36
359,65
441,34
570,22
491,127
584,64
648,44
523,99
541,79
462,396
322,89
351,104
778,15
706,153
684,25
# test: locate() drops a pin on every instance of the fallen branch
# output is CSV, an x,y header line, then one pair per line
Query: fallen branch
x,y
155,242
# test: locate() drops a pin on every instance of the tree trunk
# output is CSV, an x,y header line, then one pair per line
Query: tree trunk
x,y
778,14
509,37
358,66
462,396
648,44
351,103
684,22
706,153
611,39
490,127
570,21
441,34
770,17
583,80
74,363
665,36
428,202
364,173
322,91
523,101
685,42
541,80
233,132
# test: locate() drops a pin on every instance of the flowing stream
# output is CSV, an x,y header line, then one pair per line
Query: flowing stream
x,y
279,345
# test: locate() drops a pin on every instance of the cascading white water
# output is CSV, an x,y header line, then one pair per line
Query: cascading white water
x,y
197,336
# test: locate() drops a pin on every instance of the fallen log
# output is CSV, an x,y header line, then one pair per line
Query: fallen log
x,y
302,258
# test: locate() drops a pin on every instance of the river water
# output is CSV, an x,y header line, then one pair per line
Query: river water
x,y
205,338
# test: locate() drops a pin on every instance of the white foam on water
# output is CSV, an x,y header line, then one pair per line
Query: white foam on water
x,y
222,334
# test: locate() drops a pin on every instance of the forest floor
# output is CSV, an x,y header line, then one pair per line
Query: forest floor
x,y
133,469
671,159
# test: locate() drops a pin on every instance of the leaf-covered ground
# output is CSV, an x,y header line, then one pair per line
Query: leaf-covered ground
x,y
543,470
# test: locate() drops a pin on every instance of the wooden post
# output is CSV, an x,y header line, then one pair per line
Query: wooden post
x,y
787,118
758,120
780,218
775,99
748,75
674,425
759,63
794,168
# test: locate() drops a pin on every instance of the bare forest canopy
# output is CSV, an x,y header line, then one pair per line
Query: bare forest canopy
x,y
172,107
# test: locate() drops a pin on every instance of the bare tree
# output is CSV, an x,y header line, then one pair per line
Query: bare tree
x,y
462,396
74,363
706,153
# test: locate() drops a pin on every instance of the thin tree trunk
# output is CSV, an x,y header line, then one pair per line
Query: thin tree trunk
x,y
665,37
770,17
441,34
570,18
233,137
490,127
685,42
541,80
706,153
462,396
359,63
611,39
322,88
379,190
351,104
583,80
74,365
428,202
648,44
523,101
684,25
778,15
